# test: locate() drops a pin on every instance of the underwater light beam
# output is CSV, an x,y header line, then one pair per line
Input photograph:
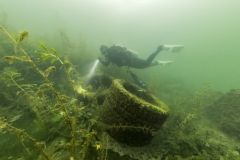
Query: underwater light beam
x,y
91,72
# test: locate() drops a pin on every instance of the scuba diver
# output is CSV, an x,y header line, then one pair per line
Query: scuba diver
x,y
122,56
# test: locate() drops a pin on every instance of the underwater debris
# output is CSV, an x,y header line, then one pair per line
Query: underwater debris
x,y
134,116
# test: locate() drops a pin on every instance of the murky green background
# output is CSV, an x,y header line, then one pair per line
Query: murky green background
x,y
209,30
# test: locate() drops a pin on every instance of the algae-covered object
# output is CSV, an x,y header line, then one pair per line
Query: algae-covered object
x,y
225,113
132,113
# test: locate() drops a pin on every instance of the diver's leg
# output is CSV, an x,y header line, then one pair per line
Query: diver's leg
x,y
153,55
140,63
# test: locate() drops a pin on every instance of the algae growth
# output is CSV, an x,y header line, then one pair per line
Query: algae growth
x,y
47,112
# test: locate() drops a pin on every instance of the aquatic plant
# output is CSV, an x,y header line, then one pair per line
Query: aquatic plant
x,y
60,114
23,135
65,39
62,100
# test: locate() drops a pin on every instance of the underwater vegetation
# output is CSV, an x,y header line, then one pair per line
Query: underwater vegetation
x,y
35,98
228,107
47,112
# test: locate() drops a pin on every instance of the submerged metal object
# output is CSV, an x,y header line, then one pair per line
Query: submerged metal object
x,y
132,116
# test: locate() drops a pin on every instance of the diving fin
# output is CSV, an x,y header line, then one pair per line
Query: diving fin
x,y
173,48
163,63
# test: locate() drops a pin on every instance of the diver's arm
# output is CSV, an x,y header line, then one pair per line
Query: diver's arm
x,y
105,63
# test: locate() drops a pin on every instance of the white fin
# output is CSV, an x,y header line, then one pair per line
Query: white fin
x,y
173,48
163,63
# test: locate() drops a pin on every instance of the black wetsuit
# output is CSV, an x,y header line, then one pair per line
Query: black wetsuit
x,y
121,56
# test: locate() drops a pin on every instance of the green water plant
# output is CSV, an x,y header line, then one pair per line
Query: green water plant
x,y
24,136
64,103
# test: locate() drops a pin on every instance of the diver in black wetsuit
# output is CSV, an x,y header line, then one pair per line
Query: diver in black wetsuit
x,y
121,56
